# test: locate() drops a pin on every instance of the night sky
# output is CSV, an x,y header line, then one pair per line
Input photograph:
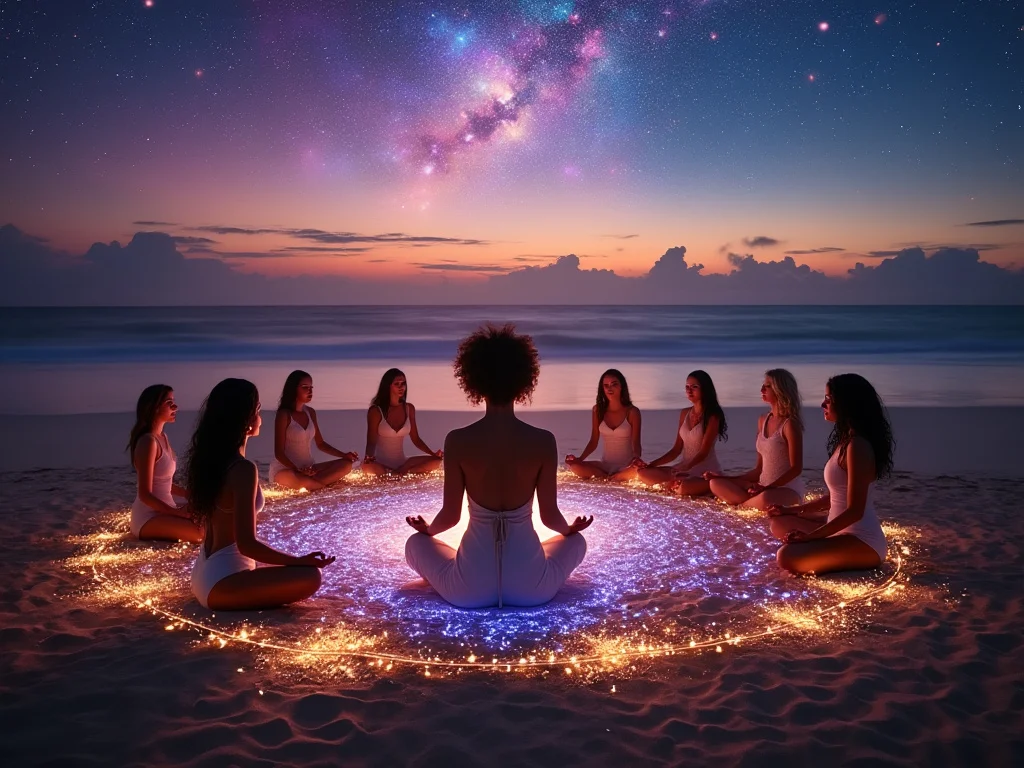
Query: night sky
x,y
393,139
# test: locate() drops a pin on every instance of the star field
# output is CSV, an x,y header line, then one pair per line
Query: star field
x,y
546,120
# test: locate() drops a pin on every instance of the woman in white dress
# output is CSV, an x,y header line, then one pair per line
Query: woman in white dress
x,y
615,423
296,430
155,514
389,420
700,427
225,499
840,531
780,451
500,463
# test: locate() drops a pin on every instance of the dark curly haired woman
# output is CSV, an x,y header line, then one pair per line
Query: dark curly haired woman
x,y
500,462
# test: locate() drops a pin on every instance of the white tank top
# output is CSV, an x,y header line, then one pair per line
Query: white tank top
x,y
617,444
390,441
163,476
692,441
774,450
298,441
867,529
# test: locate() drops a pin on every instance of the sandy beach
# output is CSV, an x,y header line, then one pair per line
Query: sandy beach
x,y
934,677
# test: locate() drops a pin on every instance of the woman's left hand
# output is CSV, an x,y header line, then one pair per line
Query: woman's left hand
x,y
351,456
755,489
419,524
795,537
639,463
439,453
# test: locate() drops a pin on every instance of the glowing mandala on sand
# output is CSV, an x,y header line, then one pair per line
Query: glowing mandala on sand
x,y
662,575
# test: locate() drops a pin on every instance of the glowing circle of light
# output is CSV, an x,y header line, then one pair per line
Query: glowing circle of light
x,y
662,576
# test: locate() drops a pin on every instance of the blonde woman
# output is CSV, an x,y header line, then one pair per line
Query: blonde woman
x,y
775,480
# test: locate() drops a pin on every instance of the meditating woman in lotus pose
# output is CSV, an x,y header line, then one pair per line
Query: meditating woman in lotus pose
x,y
615,421
700,427
780,451
840,531
388,421
225,499
500,462
295,431
155,515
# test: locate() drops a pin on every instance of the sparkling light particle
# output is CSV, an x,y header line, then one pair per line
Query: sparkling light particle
x,y
379,624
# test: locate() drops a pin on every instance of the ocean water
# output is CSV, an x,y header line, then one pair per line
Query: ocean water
x,y
76,360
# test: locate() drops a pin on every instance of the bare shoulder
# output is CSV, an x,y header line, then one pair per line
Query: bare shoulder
x,y
146,447
242,474
634,412
311,411
860,448
542,438
457,437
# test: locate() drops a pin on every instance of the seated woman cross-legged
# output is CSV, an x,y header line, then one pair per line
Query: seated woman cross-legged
x,y
621,445
225,499
295,431
389,420
780,451
155,515
849,536
500,463
700,426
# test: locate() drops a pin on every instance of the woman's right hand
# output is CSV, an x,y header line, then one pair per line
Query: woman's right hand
x,y
712,475
579,524
316,559
570,458
781,510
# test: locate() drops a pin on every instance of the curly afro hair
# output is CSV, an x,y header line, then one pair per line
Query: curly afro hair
x,y
498,365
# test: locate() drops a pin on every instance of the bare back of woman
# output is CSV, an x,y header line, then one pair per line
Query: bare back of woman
x,y
499,462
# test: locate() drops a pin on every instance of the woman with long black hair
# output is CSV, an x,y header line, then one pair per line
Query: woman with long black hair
x,y
615,422
840,531
296,431
389,420
225,499
155,513
700,427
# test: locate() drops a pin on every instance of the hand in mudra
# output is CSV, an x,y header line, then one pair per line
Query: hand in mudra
x,y
419,524
316,559
579,524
